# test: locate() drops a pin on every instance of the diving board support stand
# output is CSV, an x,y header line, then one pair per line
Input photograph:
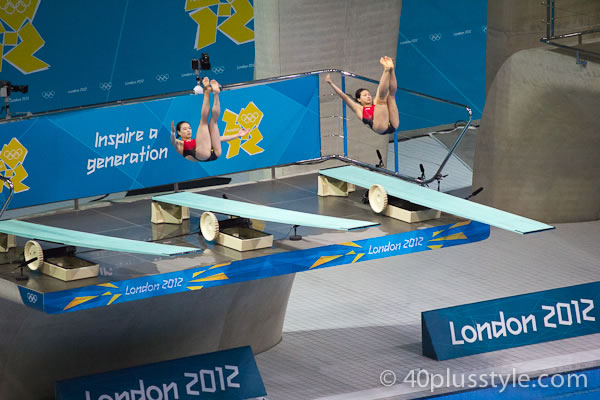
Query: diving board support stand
x,y
250,211
234,233
7,242
328,186
167,213
379,200
60,263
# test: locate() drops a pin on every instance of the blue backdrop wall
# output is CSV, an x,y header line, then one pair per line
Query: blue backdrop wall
x,y
72,53
441,52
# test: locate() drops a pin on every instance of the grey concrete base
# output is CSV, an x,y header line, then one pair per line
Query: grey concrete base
x,y
38,349
538,148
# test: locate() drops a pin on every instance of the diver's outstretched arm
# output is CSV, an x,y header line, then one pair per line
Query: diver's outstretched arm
x,y
357,108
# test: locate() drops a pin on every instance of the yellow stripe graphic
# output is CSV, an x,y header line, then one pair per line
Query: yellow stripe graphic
x,y
352,244
108,285
79,300
460,224
358,256
324,259
116,296
456,236
217,277
219,265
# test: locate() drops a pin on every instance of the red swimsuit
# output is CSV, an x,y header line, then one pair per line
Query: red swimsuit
x,y
189,149
367,119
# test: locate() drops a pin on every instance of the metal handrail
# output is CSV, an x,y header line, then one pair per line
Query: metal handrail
x,y
344,157
551,37
10,195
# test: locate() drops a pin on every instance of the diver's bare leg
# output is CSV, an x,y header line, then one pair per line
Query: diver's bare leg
x,y
213,127
381,116
391,99
203,144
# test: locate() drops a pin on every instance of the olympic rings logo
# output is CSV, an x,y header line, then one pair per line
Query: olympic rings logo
x,y
218,70
48,94
249,117
162,77
12,154
105,85
434,37
32,298
10,7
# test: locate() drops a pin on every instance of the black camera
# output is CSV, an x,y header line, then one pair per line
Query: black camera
x,y
203,63
6,88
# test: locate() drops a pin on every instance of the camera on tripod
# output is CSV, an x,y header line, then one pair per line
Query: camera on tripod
x,y
201,64
6,88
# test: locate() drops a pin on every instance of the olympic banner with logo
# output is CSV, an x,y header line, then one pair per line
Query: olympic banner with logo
x,y
85,153
441,52
290,262
511,322
78,53
223,375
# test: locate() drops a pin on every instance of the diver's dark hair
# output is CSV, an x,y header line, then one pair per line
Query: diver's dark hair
x,y
178,126
358,92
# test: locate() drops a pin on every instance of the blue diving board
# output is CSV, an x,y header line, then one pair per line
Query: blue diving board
x,y
91,240
436,200
264,213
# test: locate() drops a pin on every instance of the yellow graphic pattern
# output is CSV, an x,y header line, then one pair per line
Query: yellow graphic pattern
x,y
455,236
248,118
216,277
234,26
22,40
12,157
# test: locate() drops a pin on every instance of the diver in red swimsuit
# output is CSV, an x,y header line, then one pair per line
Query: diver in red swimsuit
x,y
381,113
207,144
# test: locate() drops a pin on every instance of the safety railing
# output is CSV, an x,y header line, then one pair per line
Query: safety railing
x,y
420,180
552,38
8,182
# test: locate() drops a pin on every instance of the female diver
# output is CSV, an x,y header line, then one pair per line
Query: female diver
x,y
381,113
207,144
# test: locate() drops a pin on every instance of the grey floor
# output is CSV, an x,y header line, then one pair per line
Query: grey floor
x,y
345,326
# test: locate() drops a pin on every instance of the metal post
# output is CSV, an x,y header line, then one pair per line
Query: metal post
x,y
396,150
344,119
549,19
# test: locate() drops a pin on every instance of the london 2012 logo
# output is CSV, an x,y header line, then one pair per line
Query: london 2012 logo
x,y
12,158
230,17
248,118
20,39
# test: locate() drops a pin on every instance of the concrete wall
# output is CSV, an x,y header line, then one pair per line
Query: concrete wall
x,y
538,148
37,349
305,35
515,25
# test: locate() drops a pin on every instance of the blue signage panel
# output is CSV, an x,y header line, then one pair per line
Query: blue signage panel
x,y
96,52
224,375
111,149
32,298
264,267
510,322
441,52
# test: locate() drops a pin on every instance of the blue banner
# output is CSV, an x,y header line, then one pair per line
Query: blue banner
x,y
76,54
202,277
441,52
111,149
224,375
510,322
